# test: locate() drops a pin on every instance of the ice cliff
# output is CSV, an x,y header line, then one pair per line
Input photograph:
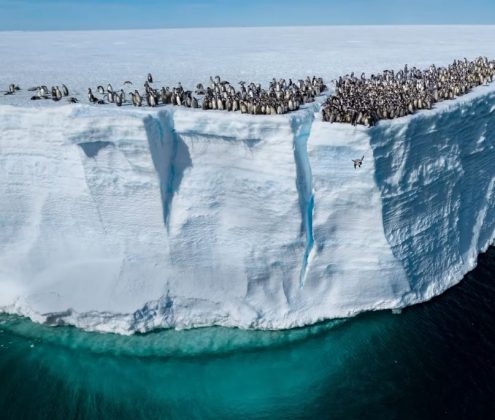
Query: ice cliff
x,y
124,220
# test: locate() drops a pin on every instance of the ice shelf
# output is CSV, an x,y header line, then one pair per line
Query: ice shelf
x,y
126,220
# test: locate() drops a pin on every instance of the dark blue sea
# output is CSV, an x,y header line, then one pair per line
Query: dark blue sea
x,y
435,360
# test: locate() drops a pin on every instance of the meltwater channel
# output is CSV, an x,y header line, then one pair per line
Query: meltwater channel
x,y
434,360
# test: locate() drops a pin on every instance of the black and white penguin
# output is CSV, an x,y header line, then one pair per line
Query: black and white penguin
x,y
58,93
138,100
92,98
358,162
11,90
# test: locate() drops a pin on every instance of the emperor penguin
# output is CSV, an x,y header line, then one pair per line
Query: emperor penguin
x,y
357,162
138,98
91,97
42,92
152,100
54,93
58,93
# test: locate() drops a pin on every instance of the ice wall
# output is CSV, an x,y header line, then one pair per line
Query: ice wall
x,y
126,220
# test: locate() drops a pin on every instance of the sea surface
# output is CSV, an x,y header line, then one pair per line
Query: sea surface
x,y
434,360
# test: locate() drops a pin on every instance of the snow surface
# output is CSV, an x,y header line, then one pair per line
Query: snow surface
x,y
84,59
129,219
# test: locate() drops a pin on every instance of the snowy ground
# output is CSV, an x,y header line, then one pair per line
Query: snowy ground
x,y
84,59
129,219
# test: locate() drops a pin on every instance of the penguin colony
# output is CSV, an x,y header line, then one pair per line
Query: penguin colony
x,y
42,92
356,100
281,96
391,95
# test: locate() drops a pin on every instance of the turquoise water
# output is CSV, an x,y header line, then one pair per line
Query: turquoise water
x,y
434,360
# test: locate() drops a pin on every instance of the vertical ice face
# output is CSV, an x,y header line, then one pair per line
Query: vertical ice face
x,y
352,264
241,241
118,220
435,174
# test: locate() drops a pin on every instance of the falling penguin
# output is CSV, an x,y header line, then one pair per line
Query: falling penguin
x,y
358,162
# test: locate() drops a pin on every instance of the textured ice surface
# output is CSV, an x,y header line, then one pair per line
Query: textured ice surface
x,y
125,220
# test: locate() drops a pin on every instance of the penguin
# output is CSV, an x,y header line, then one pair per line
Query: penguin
x,y
65,91
151,100
357,162
41,93
110,96
163,95
150,78
91,97
133,99
12,89
138,98
100,89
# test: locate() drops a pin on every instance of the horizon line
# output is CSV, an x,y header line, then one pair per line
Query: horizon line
x,y
254,27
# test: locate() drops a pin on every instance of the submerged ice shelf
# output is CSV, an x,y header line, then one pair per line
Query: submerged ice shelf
x,y
128,220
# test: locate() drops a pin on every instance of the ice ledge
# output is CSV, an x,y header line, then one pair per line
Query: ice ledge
x,y
194,218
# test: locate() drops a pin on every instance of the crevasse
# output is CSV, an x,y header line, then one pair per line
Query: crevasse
x,y
301,131
169,154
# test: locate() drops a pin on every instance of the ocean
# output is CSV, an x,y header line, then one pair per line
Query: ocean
x,y
433,360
